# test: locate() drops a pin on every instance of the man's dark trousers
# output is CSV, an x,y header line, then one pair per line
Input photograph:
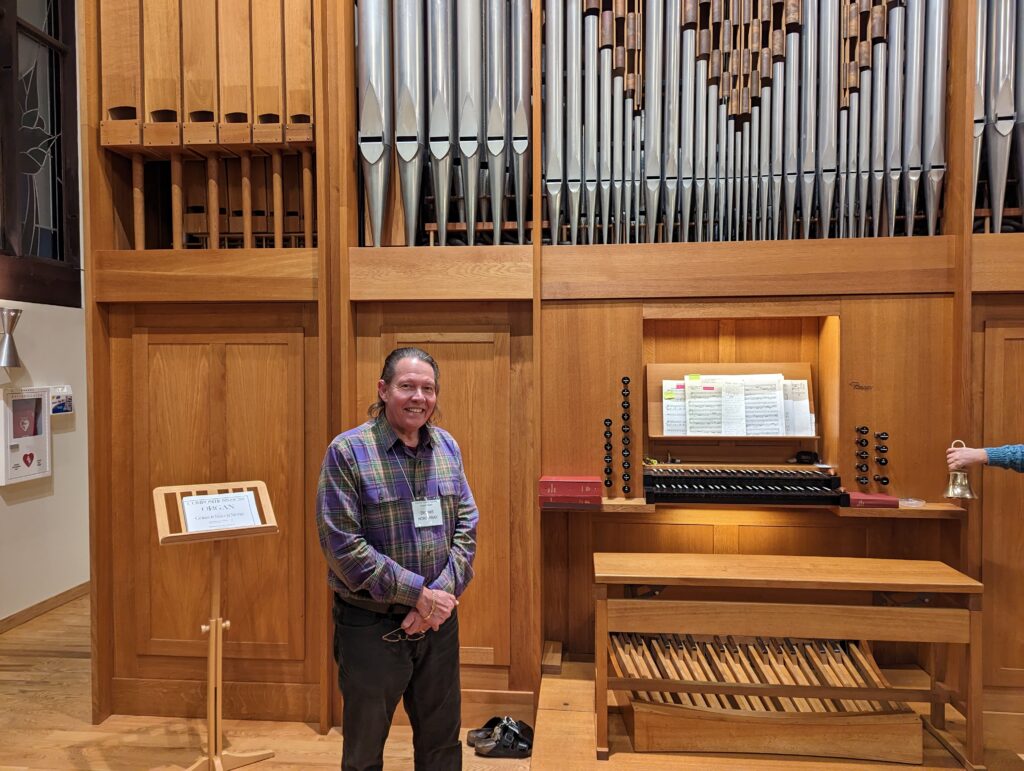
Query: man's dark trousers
x,y
374,674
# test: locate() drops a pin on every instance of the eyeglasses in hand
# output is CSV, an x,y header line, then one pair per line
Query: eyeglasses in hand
x,y
400,635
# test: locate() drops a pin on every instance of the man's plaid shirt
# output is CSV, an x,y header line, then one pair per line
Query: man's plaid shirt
x,y
364,515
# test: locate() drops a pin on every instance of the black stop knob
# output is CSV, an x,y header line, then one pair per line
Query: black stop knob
x,y
862,454
882,435
862,480
881,480
862,468
881,448
862,442
882,461
862,429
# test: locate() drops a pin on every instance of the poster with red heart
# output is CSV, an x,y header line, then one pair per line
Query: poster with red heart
x,y
26,435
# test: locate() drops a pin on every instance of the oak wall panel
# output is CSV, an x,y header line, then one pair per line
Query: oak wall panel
x,y
235,72
161,24
1003,525
121,72
298,70
896,378
267,71
206,393
199,66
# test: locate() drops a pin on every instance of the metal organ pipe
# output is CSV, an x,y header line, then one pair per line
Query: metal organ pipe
x,y
441,128
376,126
826,109
520,105
496,125
573,112
591,22
1000,104
936,39
671,117
604,168
652,119
554,128
913,106
470,106
410,108
742,119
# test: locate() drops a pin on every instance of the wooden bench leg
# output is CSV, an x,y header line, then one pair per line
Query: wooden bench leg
x,y
601,670
973,691
938,659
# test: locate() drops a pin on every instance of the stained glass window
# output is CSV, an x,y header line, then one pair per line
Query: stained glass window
x,y
38,149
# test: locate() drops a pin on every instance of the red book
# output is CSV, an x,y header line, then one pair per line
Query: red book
x,y
570,502
573,487
873,501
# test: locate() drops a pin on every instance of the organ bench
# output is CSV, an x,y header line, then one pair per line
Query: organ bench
x,y
910,601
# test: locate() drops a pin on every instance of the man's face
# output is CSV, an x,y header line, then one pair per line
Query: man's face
x,y
410,397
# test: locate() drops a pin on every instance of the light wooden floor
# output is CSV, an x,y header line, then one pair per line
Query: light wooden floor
x,y
565,739
45,724
45,716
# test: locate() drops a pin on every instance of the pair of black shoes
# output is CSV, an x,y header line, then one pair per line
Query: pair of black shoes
x,y
502,737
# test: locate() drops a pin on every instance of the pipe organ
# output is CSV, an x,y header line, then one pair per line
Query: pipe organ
x,y
753,119
999,115
454,84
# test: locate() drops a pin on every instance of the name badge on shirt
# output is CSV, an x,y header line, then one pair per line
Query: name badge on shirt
x,y
427,513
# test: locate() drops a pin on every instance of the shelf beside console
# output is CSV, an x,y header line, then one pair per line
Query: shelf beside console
x,y
640,506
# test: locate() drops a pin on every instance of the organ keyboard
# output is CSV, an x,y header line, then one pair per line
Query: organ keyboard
x,y
766,485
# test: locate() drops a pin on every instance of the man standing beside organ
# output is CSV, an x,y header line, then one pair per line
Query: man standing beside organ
x,y
397,524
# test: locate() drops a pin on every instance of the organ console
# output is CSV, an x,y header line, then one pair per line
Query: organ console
x,y
752,485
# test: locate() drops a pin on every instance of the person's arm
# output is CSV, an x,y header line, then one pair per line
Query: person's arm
x,y
459,571
962,457
352,559
1009,456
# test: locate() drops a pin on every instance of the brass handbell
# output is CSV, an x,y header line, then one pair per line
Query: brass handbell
x,y
959,486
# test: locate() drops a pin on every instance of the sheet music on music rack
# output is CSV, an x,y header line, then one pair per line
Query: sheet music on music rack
x,y
736,405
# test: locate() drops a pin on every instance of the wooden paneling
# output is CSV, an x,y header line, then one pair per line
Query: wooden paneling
x,y
204,393
199,67
161,29
587,349
1003,526
997,262
469,359
267,71
247,424
298,70
222,274
441,273
749,269
120,28
481,348
896,378
235,72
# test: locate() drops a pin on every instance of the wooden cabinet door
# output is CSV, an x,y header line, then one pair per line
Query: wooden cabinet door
x,y
475,399
219,406
1003,509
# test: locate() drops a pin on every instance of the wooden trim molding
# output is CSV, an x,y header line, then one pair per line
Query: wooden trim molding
x,y
997,265
40,280
207,275
750,268
441,273
34,611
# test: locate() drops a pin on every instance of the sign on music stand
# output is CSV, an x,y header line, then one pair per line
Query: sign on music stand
x,y
216,513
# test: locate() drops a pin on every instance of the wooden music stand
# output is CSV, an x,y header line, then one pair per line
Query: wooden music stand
x,y
172,528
